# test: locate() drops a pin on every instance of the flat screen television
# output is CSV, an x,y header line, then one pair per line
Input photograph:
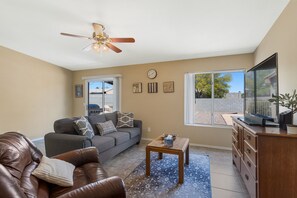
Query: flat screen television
x,y
261,83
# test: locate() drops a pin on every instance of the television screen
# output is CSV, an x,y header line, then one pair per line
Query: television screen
x,y
261,83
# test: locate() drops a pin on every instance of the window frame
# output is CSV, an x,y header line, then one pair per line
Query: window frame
x,y
187,120
116,78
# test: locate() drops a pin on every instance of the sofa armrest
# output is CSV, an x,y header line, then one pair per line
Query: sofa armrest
x,y
79,157
57,143
138,124
112,187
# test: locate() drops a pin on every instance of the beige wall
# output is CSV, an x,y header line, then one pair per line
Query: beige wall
x,y
33,94
165,112
282,38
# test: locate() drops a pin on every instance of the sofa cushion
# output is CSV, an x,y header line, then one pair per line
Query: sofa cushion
x,y
120,137
112,116
103,143
125,120
94,119
85,127
132,131
55,171
106,127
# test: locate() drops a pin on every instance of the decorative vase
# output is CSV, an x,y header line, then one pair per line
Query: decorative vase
x,y
292,129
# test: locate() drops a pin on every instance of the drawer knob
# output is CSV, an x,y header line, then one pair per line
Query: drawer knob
x,y
235,155
248,163
246,177
248,137
248,150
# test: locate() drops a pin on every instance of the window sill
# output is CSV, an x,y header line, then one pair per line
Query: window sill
x,y
211,126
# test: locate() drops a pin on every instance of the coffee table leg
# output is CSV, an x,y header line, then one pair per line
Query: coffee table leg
x,y
148,162
160,156
181,167
187,155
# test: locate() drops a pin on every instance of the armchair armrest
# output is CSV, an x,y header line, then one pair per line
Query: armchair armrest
x,y
79,157
8,185
57,143
112,187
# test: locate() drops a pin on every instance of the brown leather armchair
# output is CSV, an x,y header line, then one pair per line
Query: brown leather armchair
x,y
19,157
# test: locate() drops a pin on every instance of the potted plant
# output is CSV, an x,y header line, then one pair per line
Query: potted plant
x,y
290,102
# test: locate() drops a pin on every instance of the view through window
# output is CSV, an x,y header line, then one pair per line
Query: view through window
x,y
101,97
218,96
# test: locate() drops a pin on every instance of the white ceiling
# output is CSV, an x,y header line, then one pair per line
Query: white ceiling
x,y
164,30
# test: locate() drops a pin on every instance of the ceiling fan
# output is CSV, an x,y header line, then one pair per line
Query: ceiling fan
x,y
101,40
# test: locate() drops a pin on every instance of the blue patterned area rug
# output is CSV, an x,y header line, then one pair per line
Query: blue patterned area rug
x,y
163,181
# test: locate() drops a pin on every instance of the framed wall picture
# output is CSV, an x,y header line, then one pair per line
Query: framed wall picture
x,y
168,87
152,87
137,87
79,91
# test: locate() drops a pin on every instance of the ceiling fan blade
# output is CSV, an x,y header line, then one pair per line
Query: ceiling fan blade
x,y
98,28
114,48
122,40
88,47
74,35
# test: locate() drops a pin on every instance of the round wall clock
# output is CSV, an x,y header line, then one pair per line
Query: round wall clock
x,y
152,73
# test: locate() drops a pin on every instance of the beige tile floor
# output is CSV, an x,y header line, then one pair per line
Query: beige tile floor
x,y
225,179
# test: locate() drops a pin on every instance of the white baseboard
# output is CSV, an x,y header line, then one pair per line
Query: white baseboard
x,y
37,139
201,145
210,146
149,139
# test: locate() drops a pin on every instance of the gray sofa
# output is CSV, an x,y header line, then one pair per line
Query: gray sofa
x,y
65,137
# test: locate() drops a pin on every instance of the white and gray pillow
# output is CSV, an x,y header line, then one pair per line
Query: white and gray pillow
x,y
125,120
84,127
55,171
106,127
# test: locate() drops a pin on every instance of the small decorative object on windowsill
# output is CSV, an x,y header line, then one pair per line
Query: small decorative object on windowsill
x,y
292,129
290,102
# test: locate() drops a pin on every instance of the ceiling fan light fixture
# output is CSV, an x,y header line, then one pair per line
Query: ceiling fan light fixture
x,y
100,47
96,46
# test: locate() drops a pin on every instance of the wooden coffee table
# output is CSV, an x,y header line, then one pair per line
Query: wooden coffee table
x,y
180,147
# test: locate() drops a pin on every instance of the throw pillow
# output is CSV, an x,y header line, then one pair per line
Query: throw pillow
x,y
106,127
84,127
125,120
55,171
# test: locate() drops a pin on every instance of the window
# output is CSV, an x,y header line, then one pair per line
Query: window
x,y
212,98
102,95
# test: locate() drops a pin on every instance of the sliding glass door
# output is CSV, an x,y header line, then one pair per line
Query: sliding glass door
x,y
101,96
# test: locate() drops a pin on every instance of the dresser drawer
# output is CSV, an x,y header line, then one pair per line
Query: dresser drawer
x,y
236,157
249,181
235,142
235,134
249,151
250,138
250,166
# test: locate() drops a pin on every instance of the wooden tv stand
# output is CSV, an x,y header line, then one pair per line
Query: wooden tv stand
x,y
266,158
